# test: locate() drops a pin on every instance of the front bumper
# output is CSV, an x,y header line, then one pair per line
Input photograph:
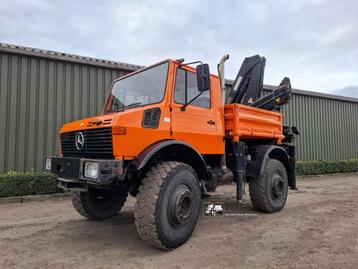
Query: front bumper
x,y
71,172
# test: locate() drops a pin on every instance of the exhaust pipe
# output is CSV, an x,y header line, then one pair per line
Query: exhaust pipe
x,y
221,71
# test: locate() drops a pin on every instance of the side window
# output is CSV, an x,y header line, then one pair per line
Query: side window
x,y
186,89
179,90
192,90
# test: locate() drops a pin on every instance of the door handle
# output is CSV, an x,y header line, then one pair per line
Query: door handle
x,y
211,122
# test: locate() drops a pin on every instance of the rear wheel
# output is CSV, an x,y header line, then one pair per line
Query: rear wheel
x,y
269,192
168,205
99,204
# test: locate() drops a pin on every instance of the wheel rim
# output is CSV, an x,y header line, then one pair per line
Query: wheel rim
x,y
180,206
277,187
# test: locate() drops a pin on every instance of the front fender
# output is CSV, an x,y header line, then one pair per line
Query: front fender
x,y
174,150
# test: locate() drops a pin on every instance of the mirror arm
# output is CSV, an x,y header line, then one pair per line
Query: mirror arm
x,y
191,63
184,106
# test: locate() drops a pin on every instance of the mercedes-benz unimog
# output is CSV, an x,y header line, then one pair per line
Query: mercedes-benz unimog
x,y
168,134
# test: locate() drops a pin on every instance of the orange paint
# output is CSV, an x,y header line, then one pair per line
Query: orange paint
x,y
202,128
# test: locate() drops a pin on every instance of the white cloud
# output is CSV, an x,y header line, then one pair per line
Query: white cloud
x,y
313,42
351,91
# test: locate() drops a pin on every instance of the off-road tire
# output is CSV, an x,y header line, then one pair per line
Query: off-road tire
x,y
89,204
262,193
153,215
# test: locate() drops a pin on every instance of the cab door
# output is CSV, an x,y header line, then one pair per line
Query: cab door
x,y
197,125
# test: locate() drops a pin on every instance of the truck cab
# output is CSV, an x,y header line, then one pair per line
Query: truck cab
x,y
167,136
145,107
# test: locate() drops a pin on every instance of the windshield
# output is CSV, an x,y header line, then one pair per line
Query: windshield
x,y
143,88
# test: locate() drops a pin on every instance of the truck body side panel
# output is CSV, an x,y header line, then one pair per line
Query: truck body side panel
x,y
245,122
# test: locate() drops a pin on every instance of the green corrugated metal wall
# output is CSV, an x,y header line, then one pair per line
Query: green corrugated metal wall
x,y
328,127
38,94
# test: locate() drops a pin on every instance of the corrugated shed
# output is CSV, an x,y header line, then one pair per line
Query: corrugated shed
x,y
328,126
40,90
37,95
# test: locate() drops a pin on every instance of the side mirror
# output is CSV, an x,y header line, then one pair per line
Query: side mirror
x,y
203,77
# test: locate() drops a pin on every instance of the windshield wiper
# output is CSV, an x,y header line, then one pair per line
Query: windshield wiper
x,y
128,106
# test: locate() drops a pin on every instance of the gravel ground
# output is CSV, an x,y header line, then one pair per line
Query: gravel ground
x,y
318,228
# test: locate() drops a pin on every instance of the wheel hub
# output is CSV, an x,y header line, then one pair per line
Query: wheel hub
x,y
277,186
180,205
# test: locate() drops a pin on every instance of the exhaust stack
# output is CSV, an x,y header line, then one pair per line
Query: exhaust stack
x,y
226,174
221,71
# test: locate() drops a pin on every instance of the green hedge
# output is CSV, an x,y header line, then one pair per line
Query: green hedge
x,y
27,183
326,167
32,183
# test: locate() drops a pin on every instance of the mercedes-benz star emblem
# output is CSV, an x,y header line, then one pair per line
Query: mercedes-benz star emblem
x,y
80,141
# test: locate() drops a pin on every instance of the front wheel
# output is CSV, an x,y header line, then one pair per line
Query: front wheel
x,y
168,205
99,204
269,192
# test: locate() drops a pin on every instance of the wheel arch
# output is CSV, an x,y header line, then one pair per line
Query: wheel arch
x,y
173,150
264,152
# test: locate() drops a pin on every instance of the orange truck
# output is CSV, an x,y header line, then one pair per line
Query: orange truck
x,y
168,134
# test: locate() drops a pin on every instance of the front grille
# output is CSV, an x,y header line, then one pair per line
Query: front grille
x,y
97,144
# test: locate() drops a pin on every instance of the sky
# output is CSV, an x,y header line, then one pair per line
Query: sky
x,y
312,42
